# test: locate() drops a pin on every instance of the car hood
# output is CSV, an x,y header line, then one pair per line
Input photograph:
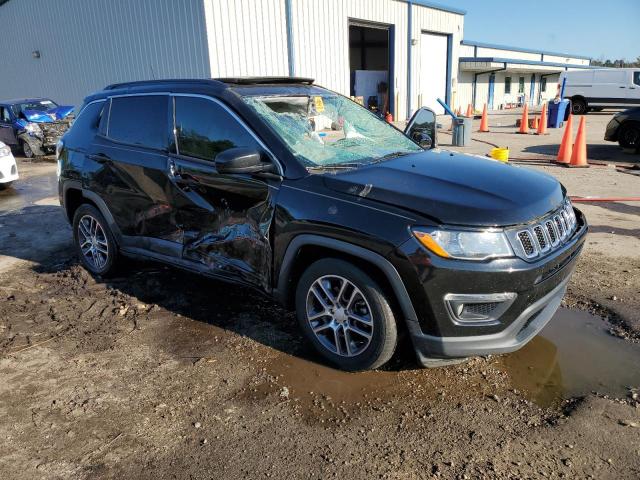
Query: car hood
x,y
454,189
51,115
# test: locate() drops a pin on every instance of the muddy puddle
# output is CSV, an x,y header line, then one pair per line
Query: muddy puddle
x,y
573,355
29,191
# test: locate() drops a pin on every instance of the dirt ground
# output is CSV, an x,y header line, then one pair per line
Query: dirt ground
x,y
162,374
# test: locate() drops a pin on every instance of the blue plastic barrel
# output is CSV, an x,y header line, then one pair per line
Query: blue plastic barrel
x,y
558,113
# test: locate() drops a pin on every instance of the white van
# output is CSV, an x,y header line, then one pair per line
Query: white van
x,y
599,88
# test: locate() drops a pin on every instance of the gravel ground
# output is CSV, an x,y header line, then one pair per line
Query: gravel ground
x,y
162,374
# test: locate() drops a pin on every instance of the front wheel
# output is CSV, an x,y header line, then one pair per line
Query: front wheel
x,y
94,241
26,149
345,315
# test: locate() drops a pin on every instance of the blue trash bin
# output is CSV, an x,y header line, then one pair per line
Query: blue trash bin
x,y
558,113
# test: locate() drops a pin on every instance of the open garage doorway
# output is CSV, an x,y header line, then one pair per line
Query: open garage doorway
x,y
371,65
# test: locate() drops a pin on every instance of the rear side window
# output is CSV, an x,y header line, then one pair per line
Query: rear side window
x,y
636,78
204,129
140,120
85,126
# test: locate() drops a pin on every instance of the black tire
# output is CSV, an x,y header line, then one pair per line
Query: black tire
x,y
578,106
26,149
383,332
104,240
4,186
629,136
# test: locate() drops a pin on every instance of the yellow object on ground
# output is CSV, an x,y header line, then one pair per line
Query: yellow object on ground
x,y
500,153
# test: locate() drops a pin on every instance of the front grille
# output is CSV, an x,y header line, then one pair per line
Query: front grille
x,y
53,131
546,236
527,244
542,240
551,232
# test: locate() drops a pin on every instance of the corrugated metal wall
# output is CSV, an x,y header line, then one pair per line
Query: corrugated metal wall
x,y
85,45
247,37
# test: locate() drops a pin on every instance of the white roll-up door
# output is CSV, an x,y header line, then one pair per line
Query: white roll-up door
x,y
433,70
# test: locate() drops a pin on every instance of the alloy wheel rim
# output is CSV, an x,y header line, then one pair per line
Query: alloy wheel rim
x,y
339,316
93,242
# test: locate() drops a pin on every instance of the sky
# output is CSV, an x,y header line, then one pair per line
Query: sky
x,y
594,28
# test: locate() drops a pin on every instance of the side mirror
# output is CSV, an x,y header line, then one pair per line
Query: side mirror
x,y
423,124
242,160
422,139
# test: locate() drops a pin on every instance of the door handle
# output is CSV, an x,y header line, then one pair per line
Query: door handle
x,y
99,158
622,86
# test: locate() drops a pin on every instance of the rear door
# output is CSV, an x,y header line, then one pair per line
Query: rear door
x,y
7,132
129,165
226,219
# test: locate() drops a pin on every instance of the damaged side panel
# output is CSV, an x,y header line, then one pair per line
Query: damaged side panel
x,y
227,221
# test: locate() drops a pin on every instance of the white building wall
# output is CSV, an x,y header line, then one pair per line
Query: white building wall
x,y
85,45
434,21
246,37
321,41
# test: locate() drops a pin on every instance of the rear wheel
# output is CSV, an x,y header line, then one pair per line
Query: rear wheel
x,y
94,241
345,315
629,136
578,106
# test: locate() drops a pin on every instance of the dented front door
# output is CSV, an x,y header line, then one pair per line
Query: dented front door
x,y
226,219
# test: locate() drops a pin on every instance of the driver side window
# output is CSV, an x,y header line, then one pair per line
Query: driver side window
x,y
204,129
636,78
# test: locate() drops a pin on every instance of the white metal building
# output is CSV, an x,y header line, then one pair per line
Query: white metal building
x,y
396,54
502,76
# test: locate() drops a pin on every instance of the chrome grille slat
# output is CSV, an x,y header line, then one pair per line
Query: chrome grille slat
x,y
547,235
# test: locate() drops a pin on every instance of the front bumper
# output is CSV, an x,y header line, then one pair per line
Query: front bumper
x,y
8,169
539,286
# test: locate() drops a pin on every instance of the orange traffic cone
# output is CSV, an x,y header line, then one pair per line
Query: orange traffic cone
x,y
566,147
524,122
542,127
469,112
535,122
484,123
579,154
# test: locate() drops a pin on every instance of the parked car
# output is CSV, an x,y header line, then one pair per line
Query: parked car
x,y
596,89
301,193
33,124
8,167
624,128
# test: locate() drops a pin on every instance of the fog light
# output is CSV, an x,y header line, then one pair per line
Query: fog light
x,y
478,309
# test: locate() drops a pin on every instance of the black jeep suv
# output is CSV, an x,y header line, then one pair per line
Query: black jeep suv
x,y
281,185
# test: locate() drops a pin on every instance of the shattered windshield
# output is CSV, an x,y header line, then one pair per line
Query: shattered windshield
x,y
330,130
38,105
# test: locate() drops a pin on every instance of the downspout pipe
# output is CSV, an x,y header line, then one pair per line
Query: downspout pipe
x,y
290,48
409,63
475,82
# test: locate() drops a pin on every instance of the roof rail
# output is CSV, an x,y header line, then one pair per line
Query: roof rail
x,y
142,83
265,80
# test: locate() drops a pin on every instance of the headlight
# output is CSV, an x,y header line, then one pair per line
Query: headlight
x,y
5,151
33,128
464,244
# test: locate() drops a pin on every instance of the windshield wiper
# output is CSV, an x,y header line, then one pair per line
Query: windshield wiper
x,y
392,155
336,166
